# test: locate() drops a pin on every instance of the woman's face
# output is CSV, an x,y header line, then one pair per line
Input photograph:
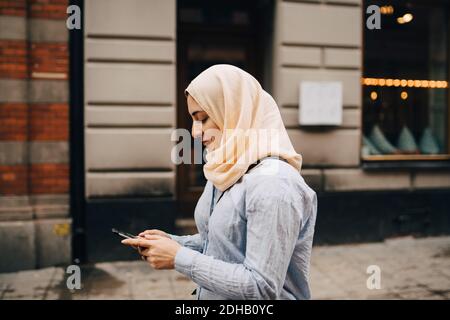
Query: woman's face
x,y
203,127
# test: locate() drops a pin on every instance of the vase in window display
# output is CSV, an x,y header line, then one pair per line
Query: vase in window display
x,y
406,142
365,151
428,143
380,142
368,147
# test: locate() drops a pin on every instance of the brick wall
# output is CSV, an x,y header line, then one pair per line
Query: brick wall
x,y
48,9
49,122
13,121
48,178
13,180
29,120
34,122
49,57
13,7
13,59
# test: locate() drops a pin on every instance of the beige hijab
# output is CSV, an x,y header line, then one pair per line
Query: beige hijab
x,y
248,118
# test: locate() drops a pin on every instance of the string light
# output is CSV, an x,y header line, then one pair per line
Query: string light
x,y
407,17
373,95
404,95
381,82
387,10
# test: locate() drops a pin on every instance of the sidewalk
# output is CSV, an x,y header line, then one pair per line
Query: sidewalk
x,y
410,269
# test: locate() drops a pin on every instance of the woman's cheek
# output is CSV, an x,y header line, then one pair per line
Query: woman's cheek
x,y
215,135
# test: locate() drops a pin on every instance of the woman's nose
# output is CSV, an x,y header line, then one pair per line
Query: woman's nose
x,y
197,129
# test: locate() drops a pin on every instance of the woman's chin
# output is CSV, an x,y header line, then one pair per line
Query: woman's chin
x,y
209,147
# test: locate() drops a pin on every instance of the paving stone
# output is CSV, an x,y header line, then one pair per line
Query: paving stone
x,y
410,269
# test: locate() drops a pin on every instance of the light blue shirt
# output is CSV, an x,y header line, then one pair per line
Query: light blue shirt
x,y
256,242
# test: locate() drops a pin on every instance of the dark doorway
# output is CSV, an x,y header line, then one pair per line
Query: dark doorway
x,y
76,123
209,33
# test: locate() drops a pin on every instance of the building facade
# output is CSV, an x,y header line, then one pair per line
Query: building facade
x,y
130,63
35,224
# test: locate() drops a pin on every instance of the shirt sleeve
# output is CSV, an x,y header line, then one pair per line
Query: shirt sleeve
x,y
273,224
193,242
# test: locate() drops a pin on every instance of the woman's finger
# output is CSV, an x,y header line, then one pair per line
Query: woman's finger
x,y
145,253
137,242
153,232
152,237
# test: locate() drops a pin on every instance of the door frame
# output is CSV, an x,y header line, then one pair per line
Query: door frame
x,y
187,196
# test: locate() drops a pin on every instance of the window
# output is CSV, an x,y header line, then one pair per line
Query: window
x,y
405,82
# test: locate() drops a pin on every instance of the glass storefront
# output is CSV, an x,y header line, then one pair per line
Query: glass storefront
x,y
405,82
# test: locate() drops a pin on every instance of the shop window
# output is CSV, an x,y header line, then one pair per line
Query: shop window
x,y
405,83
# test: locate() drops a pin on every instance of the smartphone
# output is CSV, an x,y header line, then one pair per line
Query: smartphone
x,y
122,234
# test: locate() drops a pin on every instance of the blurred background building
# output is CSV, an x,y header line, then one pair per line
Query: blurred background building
x,y
385,171
34,135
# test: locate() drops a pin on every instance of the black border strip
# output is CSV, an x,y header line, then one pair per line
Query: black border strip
x,y
76,142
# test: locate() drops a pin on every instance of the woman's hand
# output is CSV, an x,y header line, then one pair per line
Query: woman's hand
x,y
158,251
154,232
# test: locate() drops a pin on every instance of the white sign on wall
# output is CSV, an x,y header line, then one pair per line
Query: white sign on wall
x,y
320,103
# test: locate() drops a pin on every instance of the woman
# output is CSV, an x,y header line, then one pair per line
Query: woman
x,y
256,215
